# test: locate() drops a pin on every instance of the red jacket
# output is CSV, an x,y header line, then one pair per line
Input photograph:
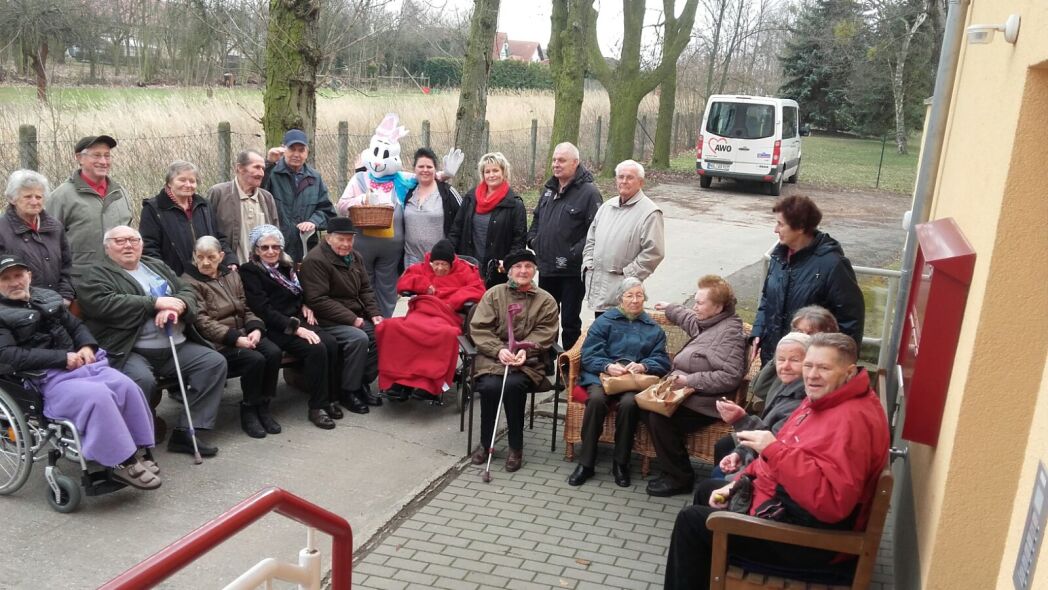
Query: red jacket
x,y
828,455
458,287
419,349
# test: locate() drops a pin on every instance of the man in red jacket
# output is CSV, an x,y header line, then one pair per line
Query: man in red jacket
x,y
820,470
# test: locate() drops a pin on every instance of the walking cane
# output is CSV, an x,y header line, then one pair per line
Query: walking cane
x,y
513,346
182,386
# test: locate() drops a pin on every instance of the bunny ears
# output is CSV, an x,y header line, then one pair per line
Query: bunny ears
x,y
390,129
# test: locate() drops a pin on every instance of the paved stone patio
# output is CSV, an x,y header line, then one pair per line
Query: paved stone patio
x,y
530,529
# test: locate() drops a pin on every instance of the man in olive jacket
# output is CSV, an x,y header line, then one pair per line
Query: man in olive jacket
x,y
336,287
567,205
127,299
90,202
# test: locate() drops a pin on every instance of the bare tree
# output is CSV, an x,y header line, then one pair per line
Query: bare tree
x,y
473,95
900,20
292,57
567,58
34,25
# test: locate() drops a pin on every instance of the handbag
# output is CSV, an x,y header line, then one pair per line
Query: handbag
x,y
661,398
614,385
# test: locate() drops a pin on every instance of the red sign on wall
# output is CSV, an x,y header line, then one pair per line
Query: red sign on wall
x,y
938,294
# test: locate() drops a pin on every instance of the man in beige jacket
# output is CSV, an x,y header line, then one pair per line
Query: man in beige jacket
x,y
241,204
626,239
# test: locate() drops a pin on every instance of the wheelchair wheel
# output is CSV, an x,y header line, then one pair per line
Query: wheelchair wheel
x,y
16,441
69,494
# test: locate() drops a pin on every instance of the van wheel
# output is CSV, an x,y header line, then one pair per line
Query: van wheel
x,y
793,179
705,181
774,188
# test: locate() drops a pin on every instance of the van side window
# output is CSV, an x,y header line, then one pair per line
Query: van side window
x,y
789,122
741,120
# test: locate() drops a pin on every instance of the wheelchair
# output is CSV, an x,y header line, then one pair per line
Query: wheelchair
x,y
27,436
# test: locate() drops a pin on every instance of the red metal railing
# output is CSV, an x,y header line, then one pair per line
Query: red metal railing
x,y
169,560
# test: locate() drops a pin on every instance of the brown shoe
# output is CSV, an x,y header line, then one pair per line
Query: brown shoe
x,y
479,456
514,460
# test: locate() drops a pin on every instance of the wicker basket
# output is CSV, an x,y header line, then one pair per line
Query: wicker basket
x,y
371,216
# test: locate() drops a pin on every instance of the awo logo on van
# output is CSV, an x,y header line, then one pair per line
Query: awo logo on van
x,y
718,144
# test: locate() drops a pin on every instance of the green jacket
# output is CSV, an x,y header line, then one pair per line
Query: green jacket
x,y
86,217
115,307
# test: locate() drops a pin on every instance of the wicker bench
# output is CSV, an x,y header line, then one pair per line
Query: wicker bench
x,y
699,443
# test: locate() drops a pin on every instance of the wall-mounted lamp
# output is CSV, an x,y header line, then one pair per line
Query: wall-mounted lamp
x,y
983,34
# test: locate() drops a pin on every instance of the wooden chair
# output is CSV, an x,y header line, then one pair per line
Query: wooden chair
x,y
699,443
864,544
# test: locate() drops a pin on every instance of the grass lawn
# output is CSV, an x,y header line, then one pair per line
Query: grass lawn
x,y
846,163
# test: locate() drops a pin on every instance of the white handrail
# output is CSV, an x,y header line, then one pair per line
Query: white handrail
x,y
306,574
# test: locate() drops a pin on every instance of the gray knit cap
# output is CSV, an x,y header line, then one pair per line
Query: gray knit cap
x,y
265,231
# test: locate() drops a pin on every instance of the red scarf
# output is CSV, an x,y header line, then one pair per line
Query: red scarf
x,y
487,201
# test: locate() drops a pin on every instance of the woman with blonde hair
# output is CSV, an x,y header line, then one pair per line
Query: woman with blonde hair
x,y
492,221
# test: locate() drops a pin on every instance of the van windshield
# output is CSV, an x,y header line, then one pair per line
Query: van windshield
x,y
741,120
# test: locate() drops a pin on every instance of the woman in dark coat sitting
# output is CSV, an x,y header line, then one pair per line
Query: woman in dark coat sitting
x,y
274,294
712,364
27,231
492,221
224,318
37,333
622,340
174,219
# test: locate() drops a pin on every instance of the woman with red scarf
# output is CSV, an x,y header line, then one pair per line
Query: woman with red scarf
x,y
492,221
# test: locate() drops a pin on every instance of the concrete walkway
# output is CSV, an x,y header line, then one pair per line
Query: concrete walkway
x,y
530,529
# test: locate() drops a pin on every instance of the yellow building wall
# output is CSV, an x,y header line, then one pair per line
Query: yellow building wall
x,y
970,489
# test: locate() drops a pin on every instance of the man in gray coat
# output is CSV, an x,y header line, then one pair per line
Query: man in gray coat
x,y
626,239
241,204
90,202
127,300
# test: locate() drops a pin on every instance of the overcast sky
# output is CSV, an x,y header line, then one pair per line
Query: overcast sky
x,y
528,20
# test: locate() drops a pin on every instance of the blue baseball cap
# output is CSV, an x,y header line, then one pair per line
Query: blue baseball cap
x,y
295,136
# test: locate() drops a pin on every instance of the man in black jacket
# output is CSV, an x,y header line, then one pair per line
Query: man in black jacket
x,y
566,208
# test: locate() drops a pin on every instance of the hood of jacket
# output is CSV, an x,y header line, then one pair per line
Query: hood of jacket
x,y
821,245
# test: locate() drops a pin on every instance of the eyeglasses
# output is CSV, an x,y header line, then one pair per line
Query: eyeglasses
x,y
97,156
268,247
126,241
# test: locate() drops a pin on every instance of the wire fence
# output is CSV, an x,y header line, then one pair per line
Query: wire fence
x,y
140,162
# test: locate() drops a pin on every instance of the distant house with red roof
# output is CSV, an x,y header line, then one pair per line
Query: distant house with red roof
x,y
505,48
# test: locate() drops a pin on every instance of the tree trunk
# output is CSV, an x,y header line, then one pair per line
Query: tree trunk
x,y
38,59
292,56
899,79
473,95
567,57
660,157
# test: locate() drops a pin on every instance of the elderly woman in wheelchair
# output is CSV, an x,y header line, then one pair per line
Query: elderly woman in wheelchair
x,y
39,336
443,287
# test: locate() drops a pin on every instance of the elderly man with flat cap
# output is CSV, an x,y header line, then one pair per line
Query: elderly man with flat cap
x,y
90,202
336,287
303,204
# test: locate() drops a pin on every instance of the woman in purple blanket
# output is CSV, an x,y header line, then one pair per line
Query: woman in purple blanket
x,y
37,333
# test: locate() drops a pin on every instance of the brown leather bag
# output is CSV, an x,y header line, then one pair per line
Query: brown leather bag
x,y
662,398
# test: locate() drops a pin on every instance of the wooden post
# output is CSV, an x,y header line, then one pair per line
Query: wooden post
x,y
534,147
28,154
225,152
425,133
596,159
343,153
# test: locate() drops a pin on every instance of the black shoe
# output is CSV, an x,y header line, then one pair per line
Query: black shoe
x,y
369,398
320,419
181,442
580,475
352,403
397,393
664,487
250,423
621,473
335,412
268,422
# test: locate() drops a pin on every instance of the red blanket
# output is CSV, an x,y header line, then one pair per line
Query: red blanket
x,y
420,349
463,284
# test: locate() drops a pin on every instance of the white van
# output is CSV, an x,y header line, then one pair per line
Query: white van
x,y
754,138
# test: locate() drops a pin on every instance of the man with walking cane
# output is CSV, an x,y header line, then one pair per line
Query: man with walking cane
x,y
129,302
507,371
